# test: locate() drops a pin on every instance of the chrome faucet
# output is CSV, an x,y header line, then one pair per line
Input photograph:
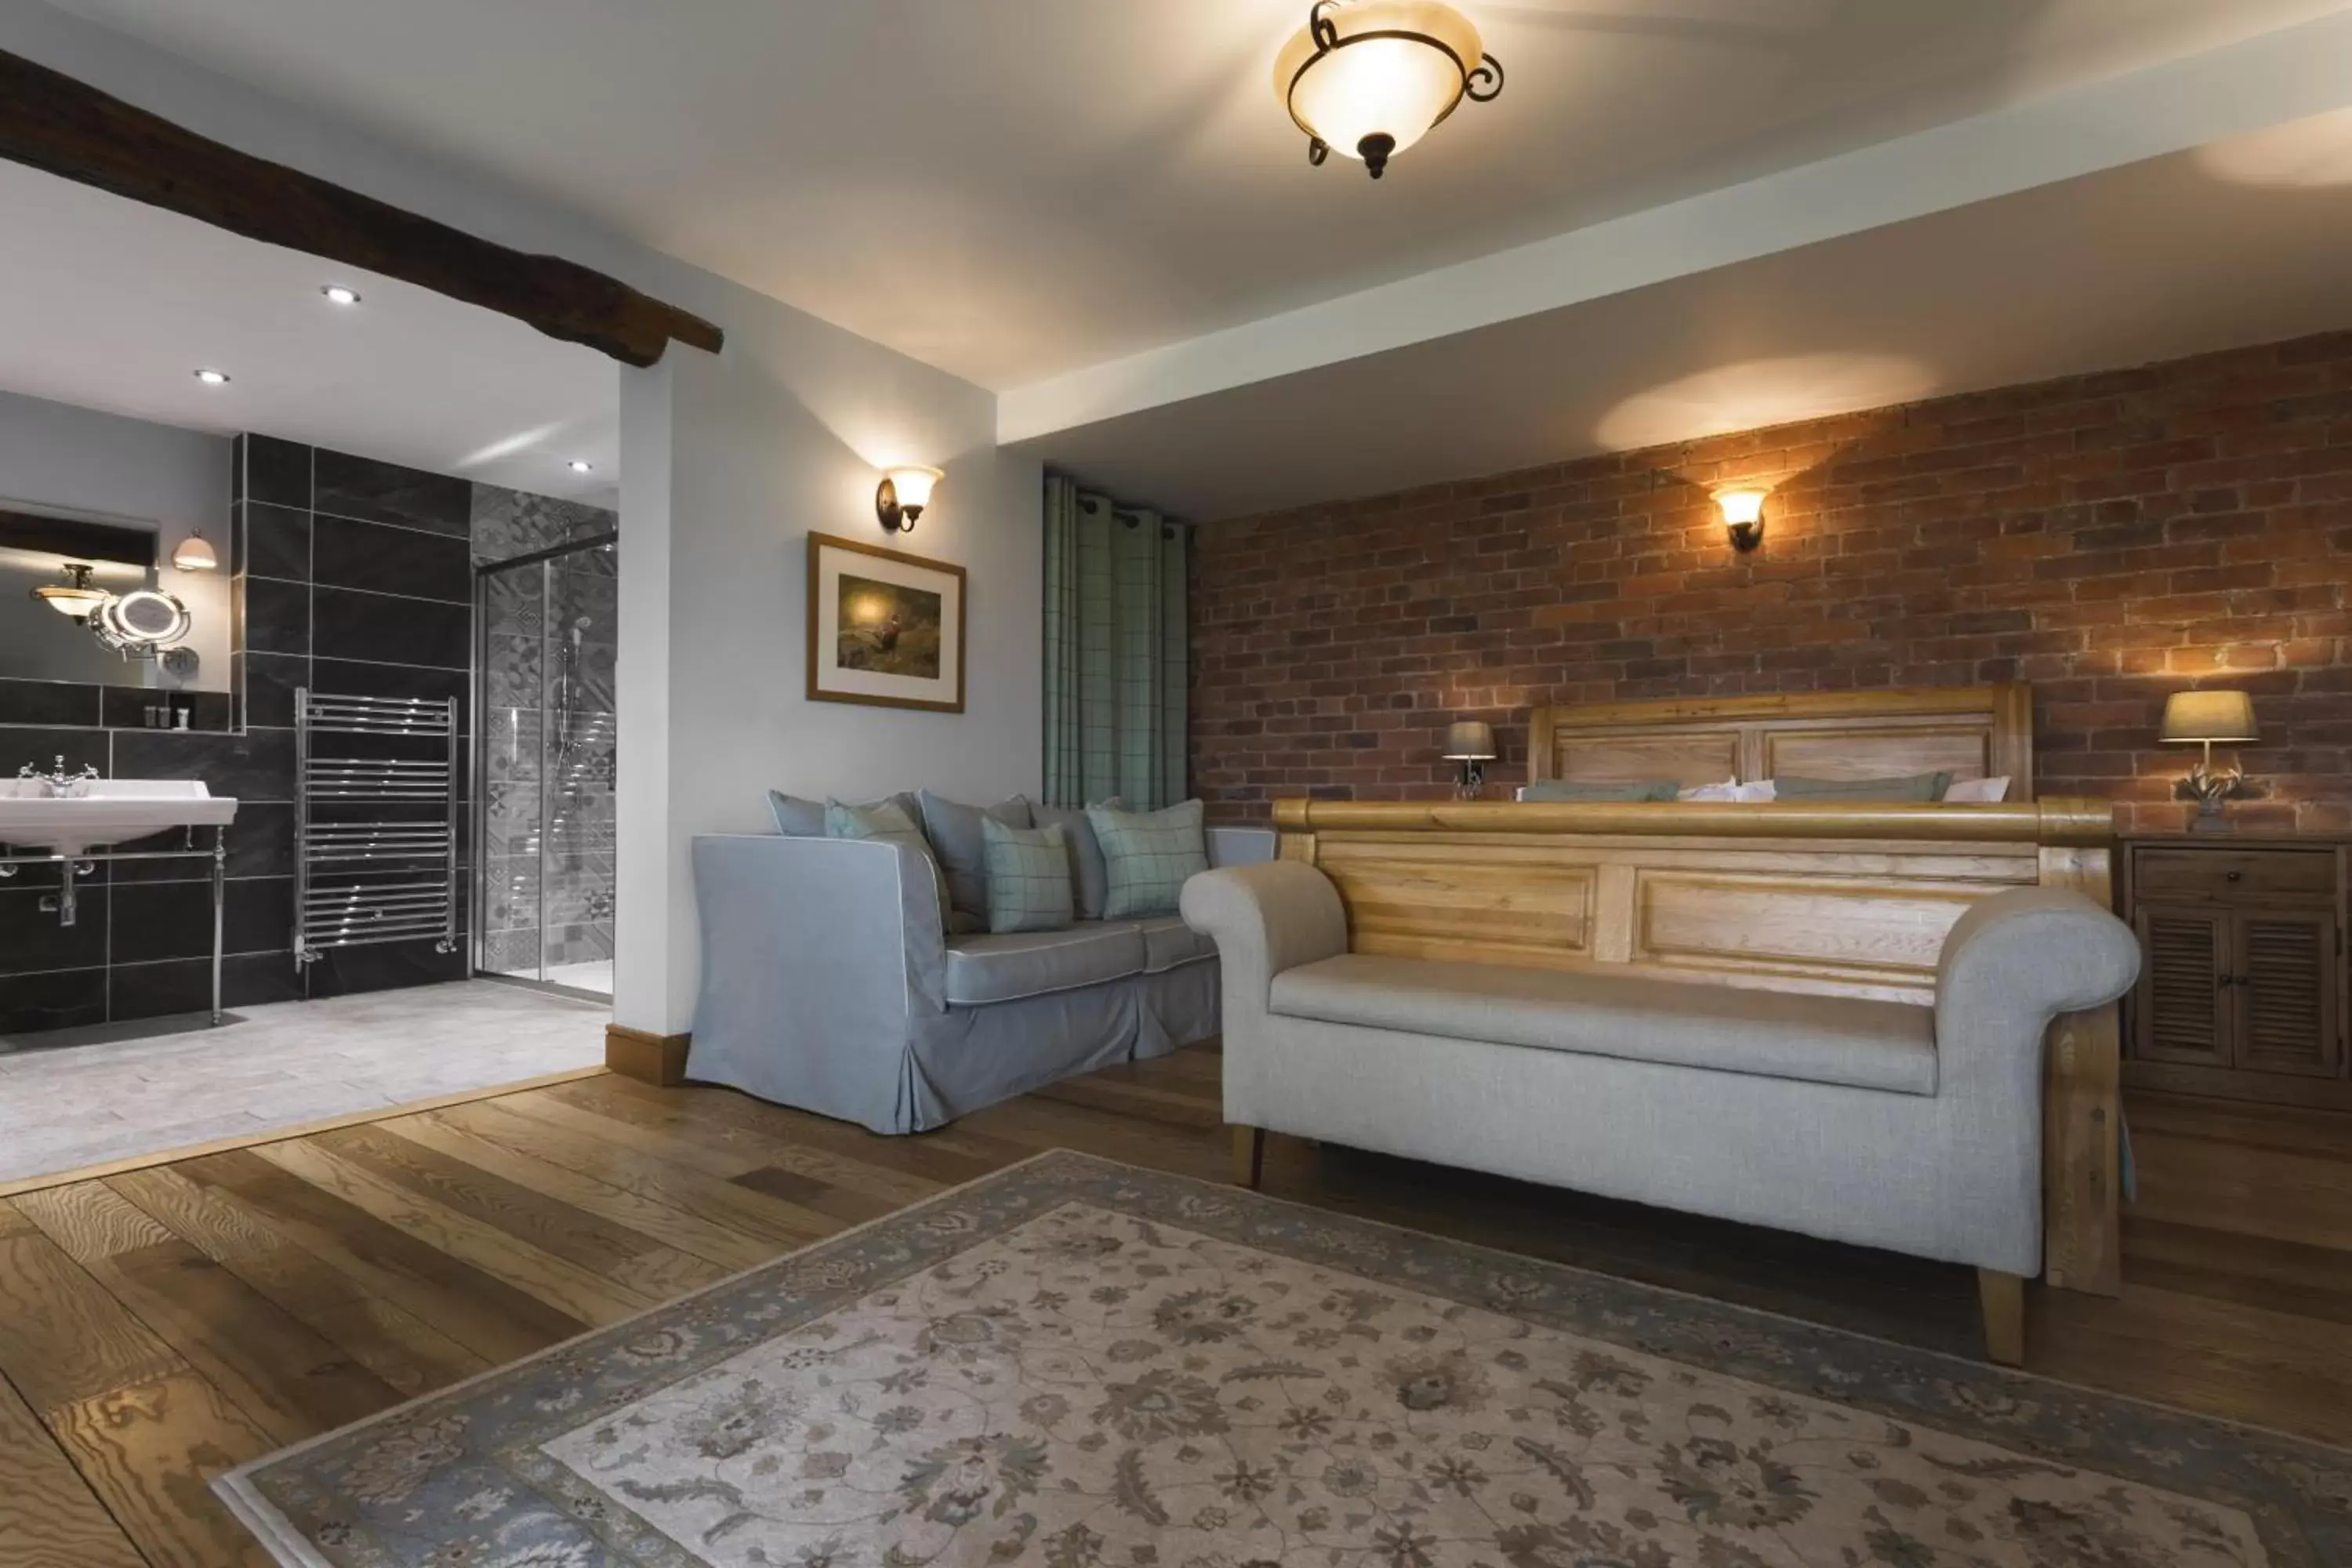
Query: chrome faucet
x,y
61,783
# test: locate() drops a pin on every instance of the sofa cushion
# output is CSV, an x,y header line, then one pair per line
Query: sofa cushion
x,y
1169,942
955,834
1089,878
1028,877
1149,856
984,969
884,822
1841,1040
798,818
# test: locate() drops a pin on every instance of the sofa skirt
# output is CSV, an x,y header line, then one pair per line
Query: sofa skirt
x,y
955,1061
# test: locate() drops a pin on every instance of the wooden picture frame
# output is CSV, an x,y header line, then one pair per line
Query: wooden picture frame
x,y
905,644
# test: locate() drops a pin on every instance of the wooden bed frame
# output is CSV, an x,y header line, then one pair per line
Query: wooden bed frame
x,y
1839,899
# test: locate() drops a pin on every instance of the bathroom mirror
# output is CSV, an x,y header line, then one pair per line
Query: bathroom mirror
x,y
66,634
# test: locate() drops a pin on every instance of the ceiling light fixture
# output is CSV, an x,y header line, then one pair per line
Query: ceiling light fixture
x,y
1370,77
213,377
338,295
194,553
76,596
579,467
901,496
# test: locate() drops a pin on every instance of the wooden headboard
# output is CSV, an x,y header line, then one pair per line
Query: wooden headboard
x,y
1971,731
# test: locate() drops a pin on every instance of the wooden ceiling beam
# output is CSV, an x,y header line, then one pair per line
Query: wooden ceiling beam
x,y
50,122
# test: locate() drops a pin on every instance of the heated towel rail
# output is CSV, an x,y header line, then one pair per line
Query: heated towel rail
x,y
376,823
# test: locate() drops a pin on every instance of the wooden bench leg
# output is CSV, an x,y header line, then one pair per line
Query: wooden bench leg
x,y
2003,1296
1249,1155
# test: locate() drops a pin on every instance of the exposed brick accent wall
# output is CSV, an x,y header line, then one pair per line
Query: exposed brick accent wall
x,y
2109,538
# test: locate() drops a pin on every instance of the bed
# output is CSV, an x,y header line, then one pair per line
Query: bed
x,y
1837,899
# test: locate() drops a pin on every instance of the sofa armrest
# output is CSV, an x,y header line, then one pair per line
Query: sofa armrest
x,y
1241,847
2010,965
831,939
1265,918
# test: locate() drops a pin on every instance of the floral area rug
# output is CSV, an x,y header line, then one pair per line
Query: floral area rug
x,y
1076,1364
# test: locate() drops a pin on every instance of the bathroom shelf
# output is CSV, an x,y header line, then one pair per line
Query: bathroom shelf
x,y
371,864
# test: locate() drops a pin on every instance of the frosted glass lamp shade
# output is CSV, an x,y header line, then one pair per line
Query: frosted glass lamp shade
x,y
1469,743
1368,78
194,553
902,496
2190,717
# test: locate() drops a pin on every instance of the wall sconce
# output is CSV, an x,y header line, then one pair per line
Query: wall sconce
x,y
902,496
2201,718
195,554
1743,515
1472,744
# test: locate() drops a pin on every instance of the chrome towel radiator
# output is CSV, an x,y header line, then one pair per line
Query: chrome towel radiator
x,y
375,822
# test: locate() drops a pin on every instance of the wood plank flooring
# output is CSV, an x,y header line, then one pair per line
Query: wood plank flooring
x,y
162,1325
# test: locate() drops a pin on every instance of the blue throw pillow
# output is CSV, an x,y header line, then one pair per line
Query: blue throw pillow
x,y
1148,857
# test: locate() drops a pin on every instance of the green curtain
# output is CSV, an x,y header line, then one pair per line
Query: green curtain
x,y
1116,652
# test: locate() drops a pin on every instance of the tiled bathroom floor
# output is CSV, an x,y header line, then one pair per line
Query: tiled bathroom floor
x,y
121,1093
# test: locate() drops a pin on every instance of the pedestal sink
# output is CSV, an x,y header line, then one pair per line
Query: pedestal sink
x,y
110,811
69,822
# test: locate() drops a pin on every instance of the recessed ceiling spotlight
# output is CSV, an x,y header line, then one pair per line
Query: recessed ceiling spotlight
x,y
338,295
577,467
213,377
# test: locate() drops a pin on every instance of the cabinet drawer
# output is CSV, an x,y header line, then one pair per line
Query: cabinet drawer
x,y
2236,876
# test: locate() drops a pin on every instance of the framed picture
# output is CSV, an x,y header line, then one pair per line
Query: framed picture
x,y
885,628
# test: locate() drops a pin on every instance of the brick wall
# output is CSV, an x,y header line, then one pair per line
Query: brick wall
x,y
2109,538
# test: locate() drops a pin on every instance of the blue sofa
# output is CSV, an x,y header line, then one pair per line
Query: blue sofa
x,y
829,983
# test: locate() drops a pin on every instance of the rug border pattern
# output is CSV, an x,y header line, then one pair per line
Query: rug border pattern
x,y
2297,1493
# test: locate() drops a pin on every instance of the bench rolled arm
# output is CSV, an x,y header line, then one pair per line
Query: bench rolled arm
x,y
1265,918
2009,966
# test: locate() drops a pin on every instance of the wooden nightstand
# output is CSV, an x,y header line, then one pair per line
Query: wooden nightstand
x,y
2243,988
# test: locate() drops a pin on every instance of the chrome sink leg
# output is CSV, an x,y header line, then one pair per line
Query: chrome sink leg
x,y
220,906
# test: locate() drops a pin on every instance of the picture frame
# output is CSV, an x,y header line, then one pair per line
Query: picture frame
x,y
885,629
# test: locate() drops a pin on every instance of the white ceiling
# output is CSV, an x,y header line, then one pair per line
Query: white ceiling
x,y
1098,209
1018,188
112,305
2238,243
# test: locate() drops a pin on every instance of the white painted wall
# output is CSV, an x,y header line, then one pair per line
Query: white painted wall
x,y
56,457
728,464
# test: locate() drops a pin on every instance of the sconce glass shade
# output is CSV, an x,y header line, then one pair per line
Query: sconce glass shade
x,y
1370,77
1469,743
2190,717
76,596
195,554
1741,506
1743,516
903,494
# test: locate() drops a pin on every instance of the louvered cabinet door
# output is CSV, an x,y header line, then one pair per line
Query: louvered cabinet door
x,y
2181,1010
2283,993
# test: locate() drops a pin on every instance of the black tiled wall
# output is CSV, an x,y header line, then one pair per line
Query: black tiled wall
x,y
358,579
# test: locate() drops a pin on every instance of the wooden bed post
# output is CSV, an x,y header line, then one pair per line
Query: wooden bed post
x,y
1249,1157
2002,1297
2081,1104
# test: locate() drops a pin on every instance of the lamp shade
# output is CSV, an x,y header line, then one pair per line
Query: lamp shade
x,y
1469,743
195,554
2193,716
1368,78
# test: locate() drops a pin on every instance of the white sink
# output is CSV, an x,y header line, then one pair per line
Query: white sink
x,y
112,811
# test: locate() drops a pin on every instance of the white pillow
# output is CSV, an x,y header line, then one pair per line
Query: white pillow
x,y
1727,790
1978,792
1761,790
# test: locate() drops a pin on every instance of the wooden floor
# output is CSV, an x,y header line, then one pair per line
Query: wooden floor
x,y
159,1327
